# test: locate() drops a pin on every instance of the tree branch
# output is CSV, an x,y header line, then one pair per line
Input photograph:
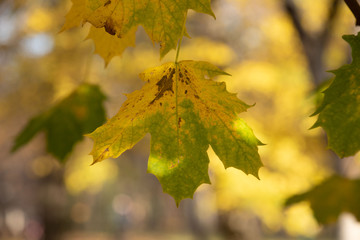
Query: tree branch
x,y
314,44
328,25
294,15
355,9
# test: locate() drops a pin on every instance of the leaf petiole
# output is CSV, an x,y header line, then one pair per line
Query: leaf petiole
x,y
176,84
180,40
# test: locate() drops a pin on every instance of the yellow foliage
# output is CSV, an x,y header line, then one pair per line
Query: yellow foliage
x,y
80,177
299,220
75,17
163,21
281,103
109,46
40,20
313,13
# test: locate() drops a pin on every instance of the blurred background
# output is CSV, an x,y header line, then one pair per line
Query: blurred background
x,y
277,52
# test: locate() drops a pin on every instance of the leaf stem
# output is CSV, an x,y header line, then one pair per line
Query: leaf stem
x,y
176,86
180,40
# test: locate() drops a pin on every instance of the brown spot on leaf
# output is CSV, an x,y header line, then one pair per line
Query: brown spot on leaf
x,y
196,96
110,26
165,84
186,76
187,79
107,3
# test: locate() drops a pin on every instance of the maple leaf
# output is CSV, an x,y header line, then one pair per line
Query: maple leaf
x,y
332,197
339,114
75,16
65,123
184,111
162,20
109,46
106,45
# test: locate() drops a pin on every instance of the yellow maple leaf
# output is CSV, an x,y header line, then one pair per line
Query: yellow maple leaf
x,y
75,17
185,112
109,46
162,20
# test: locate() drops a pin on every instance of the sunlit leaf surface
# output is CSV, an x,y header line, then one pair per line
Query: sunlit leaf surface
x,y
184,111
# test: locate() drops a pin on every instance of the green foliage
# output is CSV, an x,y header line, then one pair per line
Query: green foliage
x,y
184,113
332,197
66,122
339,114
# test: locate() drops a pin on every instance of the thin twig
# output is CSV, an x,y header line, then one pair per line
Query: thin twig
x,y
355,9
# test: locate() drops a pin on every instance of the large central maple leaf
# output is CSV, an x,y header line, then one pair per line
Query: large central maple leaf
x,y
162,20
185,112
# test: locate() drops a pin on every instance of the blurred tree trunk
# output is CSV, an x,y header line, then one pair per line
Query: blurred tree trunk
x,y
314,45
193,221
240,225
53,206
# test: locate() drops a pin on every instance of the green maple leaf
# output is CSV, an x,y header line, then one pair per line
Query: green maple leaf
x,y
185,112
66,123
339,114
162,20
332,197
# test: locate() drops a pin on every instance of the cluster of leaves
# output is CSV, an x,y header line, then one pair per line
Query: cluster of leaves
x,y
183,109
114,22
